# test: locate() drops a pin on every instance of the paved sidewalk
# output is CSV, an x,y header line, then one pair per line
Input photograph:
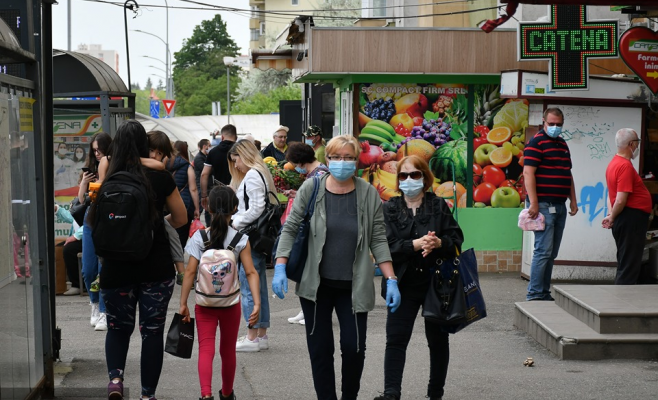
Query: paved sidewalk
x,y
486,359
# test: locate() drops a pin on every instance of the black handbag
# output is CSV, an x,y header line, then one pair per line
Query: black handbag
x,y
264,230
78,209
180,338
299,251
445,302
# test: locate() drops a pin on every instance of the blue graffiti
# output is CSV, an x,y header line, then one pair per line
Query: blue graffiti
x,y
590,197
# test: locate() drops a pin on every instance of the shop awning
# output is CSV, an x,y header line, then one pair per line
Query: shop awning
x,y
264,59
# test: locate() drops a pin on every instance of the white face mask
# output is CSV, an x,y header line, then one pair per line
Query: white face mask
x,y
62,152
636,153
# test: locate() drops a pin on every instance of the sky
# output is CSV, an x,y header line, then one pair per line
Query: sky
x,y
100,23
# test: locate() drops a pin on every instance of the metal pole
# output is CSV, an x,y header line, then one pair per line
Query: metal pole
x,y
125,21
167,90
68,13
228,95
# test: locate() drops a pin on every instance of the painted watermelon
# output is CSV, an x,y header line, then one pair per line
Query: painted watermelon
x,y
441,166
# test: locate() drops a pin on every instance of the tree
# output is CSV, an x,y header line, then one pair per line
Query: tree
x,y
266,103
135,86
333,8
199,71
149,84
161,85
257,81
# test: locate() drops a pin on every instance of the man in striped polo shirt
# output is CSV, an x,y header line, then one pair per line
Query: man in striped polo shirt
x,y
549,183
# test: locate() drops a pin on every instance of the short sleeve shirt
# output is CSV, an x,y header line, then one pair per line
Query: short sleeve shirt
x,y
552,159
621,176
195,246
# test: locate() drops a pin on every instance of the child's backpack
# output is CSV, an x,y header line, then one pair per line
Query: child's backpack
x,y
122,225
217,280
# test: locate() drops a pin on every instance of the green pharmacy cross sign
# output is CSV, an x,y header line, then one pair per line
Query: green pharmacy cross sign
x,y
568,41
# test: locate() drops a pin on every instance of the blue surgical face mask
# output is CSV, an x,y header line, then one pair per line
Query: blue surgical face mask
x,y
411,187
554,131
342,170
300,170
309,142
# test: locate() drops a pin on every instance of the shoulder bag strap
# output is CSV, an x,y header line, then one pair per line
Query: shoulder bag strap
x,y
244,189
204,237
310,207
235,241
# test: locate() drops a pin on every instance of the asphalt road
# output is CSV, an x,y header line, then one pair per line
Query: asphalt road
x,y
486,359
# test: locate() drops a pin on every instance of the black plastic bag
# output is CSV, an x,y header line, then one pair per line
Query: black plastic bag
x,y
180,338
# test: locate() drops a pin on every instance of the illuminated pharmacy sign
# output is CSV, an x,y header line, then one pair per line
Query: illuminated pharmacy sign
x,y
639,50
568,41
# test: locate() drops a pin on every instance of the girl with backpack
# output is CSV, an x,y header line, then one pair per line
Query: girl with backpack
x,y
251,180
147,283
221,309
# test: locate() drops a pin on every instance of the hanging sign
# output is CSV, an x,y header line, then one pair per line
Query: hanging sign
x,y
169,105
568,41
639,50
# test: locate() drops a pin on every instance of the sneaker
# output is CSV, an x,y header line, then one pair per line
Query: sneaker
x,y
229,397
115,391
179,278
95,285
95,313
246,345
263,343
302,322
101,325
297,318
73,291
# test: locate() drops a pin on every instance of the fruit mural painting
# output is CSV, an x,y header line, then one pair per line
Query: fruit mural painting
x,y
429,121
498,142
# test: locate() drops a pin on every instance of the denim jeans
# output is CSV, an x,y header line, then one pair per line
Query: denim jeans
x,y
247,298
91,266
547,245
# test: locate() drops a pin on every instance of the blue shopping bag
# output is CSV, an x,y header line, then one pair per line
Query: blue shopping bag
x,y
476,309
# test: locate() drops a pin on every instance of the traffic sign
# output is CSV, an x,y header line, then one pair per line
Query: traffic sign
x,y
155,109
568,41
169,105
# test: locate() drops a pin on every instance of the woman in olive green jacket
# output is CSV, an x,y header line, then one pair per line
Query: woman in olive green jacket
x,y
347,225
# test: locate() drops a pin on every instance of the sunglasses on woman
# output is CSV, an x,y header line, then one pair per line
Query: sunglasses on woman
x,y
413,175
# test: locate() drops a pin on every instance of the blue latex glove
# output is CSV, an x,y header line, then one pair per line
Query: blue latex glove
x,y
393,297
280,280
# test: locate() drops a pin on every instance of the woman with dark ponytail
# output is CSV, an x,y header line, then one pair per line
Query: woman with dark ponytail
x,y
148,283
222,204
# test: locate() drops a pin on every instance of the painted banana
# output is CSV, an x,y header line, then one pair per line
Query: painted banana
x,y
372,139
383,125
375,130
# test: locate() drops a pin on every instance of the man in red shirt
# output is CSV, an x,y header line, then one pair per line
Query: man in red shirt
x,y
630,207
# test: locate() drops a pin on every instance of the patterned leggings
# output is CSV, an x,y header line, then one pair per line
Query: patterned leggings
x,y
121,305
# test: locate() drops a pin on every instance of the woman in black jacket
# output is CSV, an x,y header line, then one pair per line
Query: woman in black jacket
x,y
421,231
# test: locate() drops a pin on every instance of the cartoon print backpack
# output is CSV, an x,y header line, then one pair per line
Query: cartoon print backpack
x,y
217,280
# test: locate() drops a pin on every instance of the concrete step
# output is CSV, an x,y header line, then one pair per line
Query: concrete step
x,y
611,308
571,339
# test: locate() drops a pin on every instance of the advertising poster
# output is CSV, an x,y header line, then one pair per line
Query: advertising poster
x,y
426,120
498,143
71,146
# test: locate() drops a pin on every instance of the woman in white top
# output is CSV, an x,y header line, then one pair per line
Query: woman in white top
x,y
250,176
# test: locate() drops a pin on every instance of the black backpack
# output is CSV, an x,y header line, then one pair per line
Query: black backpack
x,y
122,225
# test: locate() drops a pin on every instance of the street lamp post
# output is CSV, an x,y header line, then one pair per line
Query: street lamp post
x,y
125,21
168,55
228,61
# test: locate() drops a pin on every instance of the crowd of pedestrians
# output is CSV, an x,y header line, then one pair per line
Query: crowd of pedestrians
x,y
351,230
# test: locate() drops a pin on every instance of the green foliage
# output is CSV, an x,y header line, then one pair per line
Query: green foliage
x,y
199,71
143,101
266,103
257,81
332,8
